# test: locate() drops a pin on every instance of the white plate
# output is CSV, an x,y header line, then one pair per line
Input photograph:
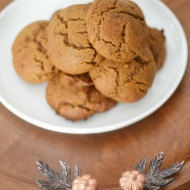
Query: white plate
x,y
28,102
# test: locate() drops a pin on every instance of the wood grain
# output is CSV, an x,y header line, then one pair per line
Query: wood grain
x,y
104,156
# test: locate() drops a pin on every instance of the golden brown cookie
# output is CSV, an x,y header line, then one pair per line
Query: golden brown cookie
x,y
55,14
127,81
157,46
30,57
117,29
48,27
68,46
75,97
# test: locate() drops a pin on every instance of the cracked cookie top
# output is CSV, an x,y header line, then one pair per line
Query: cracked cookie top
x,y
127,81
117,29
68,46
75,97
157,46
30,57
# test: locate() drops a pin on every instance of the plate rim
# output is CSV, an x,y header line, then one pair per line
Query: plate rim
x,y
103,129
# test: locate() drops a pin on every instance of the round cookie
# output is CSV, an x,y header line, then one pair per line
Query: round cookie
x,y
30,57
54,14
157,46
75,97
117,29
68,46
48,27
127,81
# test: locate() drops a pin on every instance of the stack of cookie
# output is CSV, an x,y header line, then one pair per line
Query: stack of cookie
x,y
93,55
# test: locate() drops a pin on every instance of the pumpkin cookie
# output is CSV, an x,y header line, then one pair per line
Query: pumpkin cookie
x,y
117,29
30,57
157,46
68,46
75,97
127,81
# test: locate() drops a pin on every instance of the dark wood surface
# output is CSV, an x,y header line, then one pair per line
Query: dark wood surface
x,y
104,156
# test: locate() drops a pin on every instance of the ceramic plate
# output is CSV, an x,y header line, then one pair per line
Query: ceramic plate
x,y
28,102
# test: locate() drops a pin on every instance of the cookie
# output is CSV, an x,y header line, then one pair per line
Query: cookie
x,y
75,97
68,46
48,29
54,14
127,81
157,46
30,57
117,29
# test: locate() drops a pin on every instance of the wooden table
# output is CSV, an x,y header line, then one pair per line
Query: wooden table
x,y
104,156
